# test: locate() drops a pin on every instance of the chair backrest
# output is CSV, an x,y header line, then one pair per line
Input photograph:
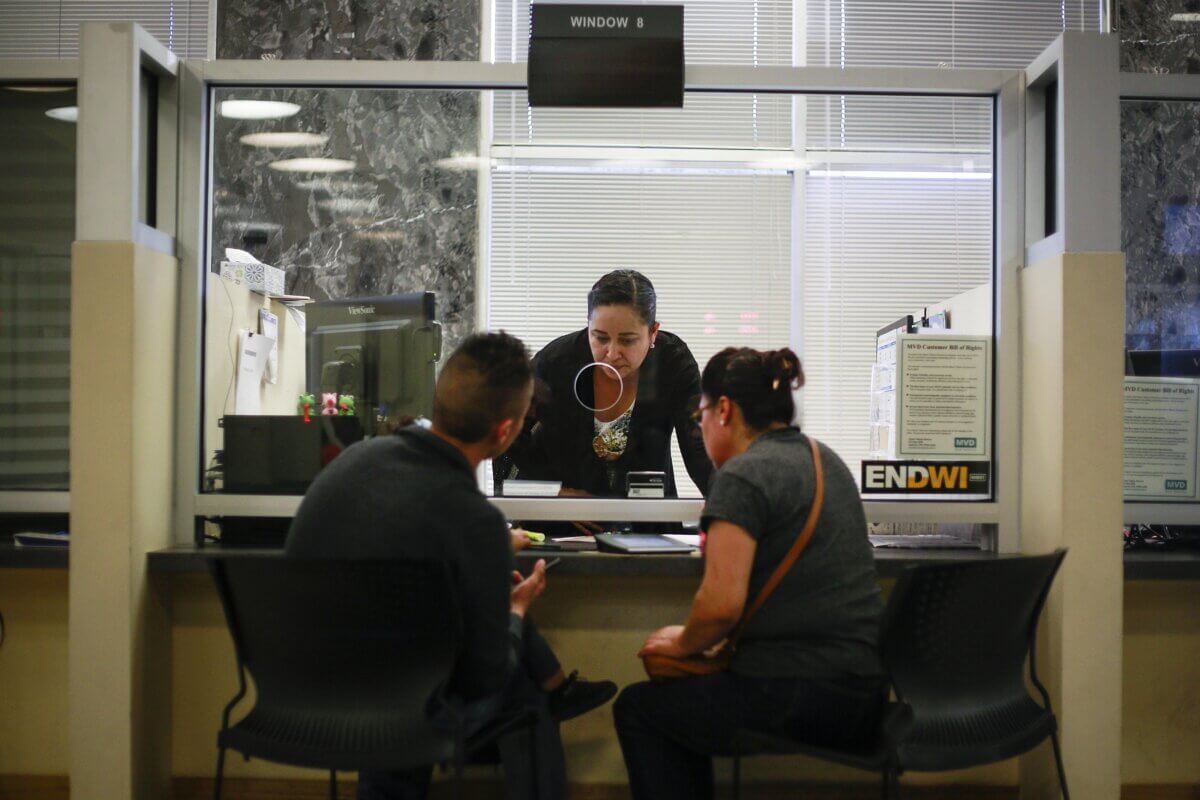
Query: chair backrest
x,y
957,635
354,640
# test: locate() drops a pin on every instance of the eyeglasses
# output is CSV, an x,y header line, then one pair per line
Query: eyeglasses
x,y
698,414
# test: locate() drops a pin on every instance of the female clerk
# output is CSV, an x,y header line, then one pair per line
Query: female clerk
x,y
609,397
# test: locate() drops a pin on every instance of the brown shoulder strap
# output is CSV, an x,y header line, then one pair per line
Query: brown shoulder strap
x,y
797,548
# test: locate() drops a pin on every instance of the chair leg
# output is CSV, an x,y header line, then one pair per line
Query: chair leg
x,y
220,773
333,784
891,783
533,761
1062,774
737,777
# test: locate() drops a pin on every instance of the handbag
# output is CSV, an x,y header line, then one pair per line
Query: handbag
x,y
718,657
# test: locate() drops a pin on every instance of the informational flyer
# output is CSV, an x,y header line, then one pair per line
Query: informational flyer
x,y
945,406
1161,438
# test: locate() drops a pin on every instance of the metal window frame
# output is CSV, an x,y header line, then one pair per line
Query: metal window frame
x,y
1165,88
47,71
1007,87
109,180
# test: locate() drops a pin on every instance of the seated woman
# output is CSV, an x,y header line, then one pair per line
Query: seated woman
x,y
590,427
806,665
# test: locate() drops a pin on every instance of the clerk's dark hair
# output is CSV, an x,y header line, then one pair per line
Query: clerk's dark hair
x,y
760,382
625,287
484,382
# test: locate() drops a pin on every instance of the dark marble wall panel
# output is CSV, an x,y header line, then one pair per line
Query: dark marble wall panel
x,y
1160,209
1152,42
399,221
404,219
422,30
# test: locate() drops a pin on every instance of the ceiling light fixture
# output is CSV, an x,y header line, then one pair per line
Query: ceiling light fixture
x,y
22,87
64,113
1188,16
257,109
312,165
900,175
348,204
284,139
464,162
346,185
383,235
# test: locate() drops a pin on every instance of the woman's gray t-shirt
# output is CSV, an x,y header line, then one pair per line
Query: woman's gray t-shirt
x,y
822,621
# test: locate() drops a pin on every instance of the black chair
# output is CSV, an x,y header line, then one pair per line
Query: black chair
x,y
955,641
348,659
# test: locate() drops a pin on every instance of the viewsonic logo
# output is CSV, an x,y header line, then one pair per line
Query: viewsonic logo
x,y
358,311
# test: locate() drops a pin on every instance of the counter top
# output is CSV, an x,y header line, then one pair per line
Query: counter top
x,y
1178,565
32,557
1140,565
189,558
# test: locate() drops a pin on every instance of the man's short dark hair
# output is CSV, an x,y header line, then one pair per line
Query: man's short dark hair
x,y
485,381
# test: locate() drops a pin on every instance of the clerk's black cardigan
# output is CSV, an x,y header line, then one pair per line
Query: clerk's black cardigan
x,y
556,443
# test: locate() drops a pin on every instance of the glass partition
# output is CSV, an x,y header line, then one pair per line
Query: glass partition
x,y
37,227
1158,37
769,220
1160,209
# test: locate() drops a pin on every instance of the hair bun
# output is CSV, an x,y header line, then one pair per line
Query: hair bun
x,y
783,369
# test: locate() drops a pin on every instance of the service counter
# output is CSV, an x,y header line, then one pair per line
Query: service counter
x,y
190,558
597,610
1140,565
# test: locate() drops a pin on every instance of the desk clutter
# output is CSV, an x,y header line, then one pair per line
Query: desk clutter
x,y
34,539
1162,537
622,544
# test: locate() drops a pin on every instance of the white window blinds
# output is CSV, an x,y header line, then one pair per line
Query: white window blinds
x,y
746,32
716,246
875,249
938,33
49,29
750,32
34,357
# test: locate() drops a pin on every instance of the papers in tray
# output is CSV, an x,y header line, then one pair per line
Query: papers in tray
x,y
521,488
940,541
640,543
60,539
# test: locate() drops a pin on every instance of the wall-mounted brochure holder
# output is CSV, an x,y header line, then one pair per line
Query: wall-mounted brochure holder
x,y
1162,426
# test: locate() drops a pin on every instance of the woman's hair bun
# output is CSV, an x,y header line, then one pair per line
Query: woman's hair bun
x,y
783,369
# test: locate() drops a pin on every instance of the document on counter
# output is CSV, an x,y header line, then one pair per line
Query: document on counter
x,y
253,350
268,326
1161,421
945,396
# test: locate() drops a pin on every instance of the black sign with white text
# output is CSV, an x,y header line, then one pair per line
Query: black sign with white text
x,y
606,56
926,477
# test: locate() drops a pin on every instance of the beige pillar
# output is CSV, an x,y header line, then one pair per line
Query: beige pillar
x,y
123,311
1072,312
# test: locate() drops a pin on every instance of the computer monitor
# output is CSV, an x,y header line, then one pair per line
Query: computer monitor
x,y
382,350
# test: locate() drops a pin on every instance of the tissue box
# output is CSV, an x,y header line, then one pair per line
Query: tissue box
x,y
256,277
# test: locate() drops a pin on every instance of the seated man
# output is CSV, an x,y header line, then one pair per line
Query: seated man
x,y
414,495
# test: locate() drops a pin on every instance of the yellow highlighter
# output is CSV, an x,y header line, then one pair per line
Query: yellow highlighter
x,y
536,537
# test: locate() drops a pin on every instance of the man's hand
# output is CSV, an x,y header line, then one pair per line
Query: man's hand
x,y
586,528
526,590
664,642
519,540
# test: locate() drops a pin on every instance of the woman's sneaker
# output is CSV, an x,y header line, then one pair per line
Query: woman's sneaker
x,y
577,696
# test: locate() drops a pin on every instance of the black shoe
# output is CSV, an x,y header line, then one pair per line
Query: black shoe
x,y
578,696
